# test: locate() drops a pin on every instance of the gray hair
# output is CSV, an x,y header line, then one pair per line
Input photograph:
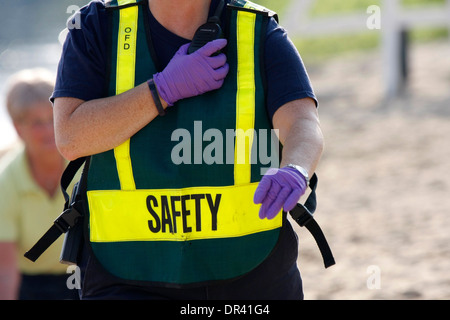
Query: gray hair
x,y
27,87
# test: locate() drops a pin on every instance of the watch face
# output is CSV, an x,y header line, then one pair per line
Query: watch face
x,y
301,170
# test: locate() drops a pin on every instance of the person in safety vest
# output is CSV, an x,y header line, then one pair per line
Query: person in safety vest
x,y
188,186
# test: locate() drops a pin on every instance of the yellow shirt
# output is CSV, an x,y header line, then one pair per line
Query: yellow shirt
x,y
26,213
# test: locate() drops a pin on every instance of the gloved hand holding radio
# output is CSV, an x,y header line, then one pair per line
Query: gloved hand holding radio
x,y
189,75
279,188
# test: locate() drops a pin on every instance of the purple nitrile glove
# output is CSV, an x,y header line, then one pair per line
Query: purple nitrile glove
x,y
279,188
189,75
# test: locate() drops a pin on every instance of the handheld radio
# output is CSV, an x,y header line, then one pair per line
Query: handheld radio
x,y
209,31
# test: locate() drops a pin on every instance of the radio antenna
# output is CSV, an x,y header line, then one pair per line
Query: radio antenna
x,y
218,12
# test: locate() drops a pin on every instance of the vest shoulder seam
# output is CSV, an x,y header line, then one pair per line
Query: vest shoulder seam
x,y
266,12
112,5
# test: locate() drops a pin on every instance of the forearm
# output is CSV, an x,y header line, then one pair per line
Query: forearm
x,y
303,145
88,127
300,134
9,285
9,273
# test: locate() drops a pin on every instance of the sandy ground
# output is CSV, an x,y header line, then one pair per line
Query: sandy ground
x,y
384,181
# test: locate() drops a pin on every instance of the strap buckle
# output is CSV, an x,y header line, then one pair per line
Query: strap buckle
x,y
301,215
67,219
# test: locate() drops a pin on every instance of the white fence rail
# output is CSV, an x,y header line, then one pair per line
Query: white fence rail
x,y
394,19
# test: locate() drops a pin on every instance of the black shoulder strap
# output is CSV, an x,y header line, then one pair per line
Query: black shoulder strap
x,y
303,215
68,218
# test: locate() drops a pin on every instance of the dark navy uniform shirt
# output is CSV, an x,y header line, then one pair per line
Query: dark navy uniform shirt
x,y
82,68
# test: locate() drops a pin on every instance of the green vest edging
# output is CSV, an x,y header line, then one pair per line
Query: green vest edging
x,y
142,267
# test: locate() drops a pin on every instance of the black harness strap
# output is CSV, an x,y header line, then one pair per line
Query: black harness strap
x,y
66,220
303,215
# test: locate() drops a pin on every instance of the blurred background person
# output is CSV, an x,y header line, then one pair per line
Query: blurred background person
x,y
29,193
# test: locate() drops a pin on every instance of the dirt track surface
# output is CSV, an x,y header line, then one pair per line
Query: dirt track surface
x,y
384,181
